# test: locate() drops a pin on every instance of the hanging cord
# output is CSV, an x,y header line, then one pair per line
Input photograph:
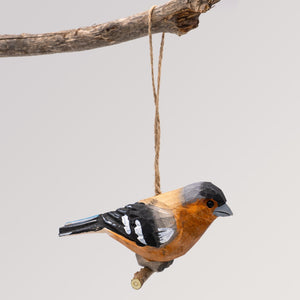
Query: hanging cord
x,y
156,99
141,276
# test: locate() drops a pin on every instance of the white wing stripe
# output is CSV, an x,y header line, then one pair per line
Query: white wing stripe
x,y
125,221
165,234
139,232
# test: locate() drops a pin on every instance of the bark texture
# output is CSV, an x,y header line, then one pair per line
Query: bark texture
x,y
176,16
140,278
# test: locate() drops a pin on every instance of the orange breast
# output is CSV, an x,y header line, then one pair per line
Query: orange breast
x,y
192,221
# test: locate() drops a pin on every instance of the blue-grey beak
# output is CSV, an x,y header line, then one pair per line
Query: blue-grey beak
x,y
223,211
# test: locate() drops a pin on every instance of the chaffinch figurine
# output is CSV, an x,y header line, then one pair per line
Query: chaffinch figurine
x,y
161,228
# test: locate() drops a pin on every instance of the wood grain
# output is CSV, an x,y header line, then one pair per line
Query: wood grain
x,y
176,16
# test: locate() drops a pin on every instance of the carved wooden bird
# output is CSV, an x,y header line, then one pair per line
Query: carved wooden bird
x,y
161,228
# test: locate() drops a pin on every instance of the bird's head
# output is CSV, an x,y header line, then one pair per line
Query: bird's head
x,y
209,195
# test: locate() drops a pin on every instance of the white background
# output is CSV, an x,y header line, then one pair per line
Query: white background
x,y
76,139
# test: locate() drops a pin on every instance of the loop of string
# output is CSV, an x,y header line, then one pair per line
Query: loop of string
x,y
156,99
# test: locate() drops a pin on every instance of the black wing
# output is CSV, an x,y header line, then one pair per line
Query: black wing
x,y
146,225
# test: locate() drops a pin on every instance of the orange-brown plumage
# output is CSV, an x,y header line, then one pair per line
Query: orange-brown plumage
x,y
192,221
160,228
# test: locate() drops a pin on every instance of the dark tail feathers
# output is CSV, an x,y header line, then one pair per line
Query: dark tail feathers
x,y
93,223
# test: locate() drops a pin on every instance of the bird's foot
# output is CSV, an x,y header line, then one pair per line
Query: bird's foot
x,y
155,266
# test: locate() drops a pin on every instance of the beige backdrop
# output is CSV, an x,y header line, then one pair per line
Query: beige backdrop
x,y
76,139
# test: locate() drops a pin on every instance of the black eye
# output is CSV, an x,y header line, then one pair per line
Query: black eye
x,y
210,203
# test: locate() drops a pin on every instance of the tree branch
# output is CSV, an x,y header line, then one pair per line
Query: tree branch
x,y
176,16
140,278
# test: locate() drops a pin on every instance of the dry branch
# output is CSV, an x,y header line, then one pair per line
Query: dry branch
x,y
176,16
140,278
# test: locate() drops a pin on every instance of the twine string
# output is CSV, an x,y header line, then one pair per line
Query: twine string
x,y
156,99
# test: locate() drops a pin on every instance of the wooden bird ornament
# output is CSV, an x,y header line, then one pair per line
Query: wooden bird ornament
x,y
161,228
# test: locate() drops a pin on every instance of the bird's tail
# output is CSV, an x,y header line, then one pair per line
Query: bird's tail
x,y
93,223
